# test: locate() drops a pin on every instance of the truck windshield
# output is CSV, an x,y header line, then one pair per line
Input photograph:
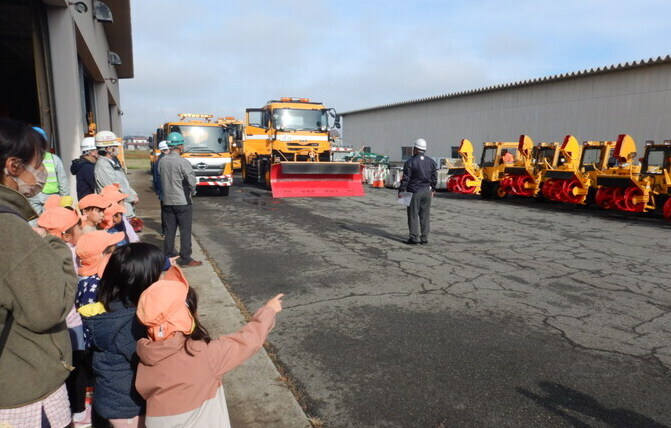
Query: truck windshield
x,y
285,119
591,156
202,139
488,156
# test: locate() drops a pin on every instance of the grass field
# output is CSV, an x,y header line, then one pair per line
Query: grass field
x,y
137,159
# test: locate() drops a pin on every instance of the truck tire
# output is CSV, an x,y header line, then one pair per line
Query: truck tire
x,y
224,190
488,189
245,174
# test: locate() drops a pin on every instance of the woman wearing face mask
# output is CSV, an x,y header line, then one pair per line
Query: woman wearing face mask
x,y
37,288
108,170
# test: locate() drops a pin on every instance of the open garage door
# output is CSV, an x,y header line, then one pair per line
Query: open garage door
x,y
24,87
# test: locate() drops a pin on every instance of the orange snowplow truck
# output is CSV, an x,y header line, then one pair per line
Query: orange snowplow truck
x,y
205,147
287,147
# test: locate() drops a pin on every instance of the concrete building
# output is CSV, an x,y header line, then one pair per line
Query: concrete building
x,y
597,104
60,64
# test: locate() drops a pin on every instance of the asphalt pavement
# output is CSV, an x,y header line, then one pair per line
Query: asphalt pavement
x,y
256,393
516,314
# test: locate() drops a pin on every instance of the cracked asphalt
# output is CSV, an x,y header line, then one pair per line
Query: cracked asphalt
x,y
517,313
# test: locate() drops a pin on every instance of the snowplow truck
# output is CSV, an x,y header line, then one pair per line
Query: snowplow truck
x,y
631,186
576,182
206,147
496,157
525,178
465,177
287,148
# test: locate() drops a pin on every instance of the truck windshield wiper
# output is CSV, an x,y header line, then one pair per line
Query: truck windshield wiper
x,y
199,150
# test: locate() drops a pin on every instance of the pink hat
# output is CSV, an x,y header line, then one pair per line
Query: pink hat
x,y
112,193
93,200
90,249
57,220
162,306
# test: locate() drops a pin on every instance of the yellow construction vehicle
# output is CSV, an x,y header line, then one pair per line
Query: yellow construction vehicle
x,y
496,157
525,178
236,131
465,177
287,147
206,147
635,187
576,182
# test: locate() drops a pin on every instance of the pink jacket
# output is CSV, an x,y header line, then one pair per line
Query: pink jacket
x,y
186,390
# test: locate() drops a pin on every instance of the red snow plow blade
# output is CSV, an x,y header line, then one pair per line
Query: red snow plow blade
x,y
310,179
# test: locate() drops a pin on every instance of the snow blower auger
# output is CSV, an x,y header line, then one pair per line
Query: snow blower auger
x,y
576,183
467,177
496,157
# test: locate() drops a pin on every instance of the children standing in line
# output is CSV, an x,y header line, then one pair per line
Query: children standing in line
x,y
180,365
114,333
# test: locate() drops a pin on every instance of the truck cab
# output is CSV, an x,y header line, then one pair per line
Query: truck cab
x,y
206,147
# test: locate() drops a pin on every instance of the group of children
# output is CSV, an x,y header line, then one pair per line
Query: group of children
x,y
140,355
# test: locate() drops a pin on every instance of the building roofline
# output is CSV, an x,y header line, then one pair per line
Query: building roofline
x,y
120,37
522,83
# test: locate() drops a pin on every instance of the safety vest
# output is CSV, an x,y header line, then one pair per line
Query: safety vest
x,y
51,185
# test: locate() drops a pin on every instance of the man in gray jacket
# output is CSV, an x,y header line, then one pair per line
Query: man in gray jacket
x,y
178,183
108,170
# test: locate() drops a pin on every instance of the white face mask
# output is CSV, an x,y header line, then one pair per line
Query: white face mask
x,y
114,151
30,190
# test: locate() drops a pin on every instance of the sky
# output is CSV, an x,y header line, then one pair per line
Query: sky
x,y
220,57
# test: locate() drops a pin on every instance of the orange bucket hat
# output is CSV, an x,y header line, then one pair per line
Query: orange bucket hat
x,y
57,220
112,193
90,249
93,200
162,306
54,201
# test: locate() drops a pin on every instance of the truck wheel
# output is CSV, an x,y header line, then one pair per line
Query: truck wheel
x,y
245,174
224,190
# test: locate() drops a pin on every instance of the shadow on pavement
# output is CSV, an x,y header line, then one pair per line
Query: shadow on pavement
x,y
560,400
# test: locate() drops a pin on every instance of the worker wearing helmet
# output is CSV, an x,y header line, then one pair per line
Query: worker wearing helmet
x,y
57,179
419,178
163,147
108,170
178,186
84,166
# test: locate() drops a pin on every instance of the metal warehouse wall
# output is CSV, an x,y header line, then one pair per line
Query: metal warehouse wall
x,y
635,101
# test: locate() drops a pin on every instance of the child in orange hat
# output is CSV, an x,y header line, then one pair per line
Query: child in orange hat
x,y
93,209
180,365
114,195
113,221
94,250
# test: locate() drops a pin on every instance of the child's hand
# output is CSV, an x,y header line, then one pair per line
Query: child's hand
x,y
276,303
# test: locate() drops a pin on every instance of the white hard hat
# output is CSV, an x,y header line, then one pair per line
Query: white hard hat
x,y
420,144
88,143
163,145
106,139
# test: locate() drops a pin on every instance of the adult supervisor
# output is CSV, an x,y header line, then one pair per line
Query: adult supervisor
x,y
178,184
419,178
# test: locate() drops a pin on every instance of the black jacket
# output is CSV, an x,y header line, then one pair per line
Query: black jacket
x,y
86,180
419,174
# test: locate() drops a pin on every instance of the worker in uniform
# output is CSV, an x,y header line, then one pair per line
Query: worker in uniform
x,y
108,169
57,179
178,186
419,178
163,147
84,166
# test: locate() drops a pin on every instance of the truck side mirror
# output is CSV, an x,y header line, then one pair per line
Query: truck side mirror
x,y
337,121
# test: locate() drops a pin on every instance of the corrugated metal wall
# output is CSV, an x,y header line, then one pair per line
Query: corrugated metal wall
x,y
636,101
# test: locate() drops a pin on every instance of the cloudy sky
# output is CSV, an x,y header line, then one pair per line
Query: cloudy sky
x,y
220,57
